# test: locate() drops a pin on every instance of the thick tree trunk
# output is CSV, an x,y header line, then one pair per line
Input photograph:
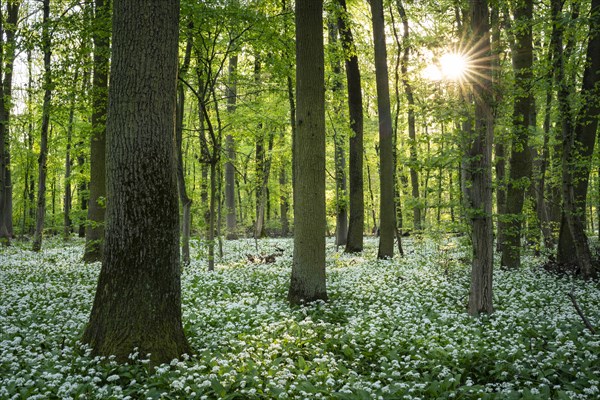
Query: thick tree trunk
x,y
356,225
307,282
94,233
479,168
387,215
230,150
523,123
139,284
42,160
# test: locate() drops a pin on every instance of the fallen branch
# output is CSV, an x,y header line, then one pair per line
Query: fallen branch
x,y
583,317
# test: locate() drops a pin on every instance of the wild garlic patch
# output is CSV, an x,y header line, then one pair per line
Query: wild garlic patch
x,y
392,329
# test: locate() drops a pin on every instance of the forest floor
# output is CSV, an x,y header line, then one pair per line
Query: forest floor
x,y
393,329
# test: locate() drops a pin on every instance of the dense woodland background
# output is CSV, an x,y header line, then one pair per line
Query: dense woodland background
x,y
237,93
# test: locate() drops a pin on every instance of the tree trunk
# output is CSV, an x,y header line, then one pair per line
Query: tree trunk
x,y
523,123
478,167
42,160
412,135
186,201
212,217
230,151
67,200
7,57
341,209
387,216
356,225
307,282
94,233
264,188
139,284
578,144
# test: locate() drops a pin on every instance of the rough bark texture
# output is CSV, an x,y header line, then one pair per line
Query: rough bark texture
x,y
138,298
356,224
42,159
412,132
230,150
523,123
387,215
479,169
8,27
94,232
578,144
308,267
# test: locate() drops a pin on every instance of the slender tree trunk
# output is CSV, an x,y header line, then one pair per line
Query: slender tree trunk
x,y
387,214
264,188
94,233
67,223
412,133
356,225
212,217
523,123
138,297
371,195
499,145
307,282
341,211
185,200
284,205
7,57
479,170
230,150
42,160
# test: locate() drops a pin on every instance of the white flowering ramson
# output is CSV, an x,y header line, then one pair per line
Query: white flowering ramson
x,y
392,329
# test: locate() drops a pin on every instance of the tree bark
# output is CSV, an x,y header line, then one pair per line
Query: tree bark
x,y
67,200
578,144
186,201
479,169
341,212
139,284
412,133
230,150
307,282
94,233
387,216
356,224
8,27
42,160
523,123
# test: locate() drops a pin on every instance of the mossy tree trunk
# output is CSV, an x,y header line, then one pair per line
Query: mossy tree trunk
x,y
138,297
